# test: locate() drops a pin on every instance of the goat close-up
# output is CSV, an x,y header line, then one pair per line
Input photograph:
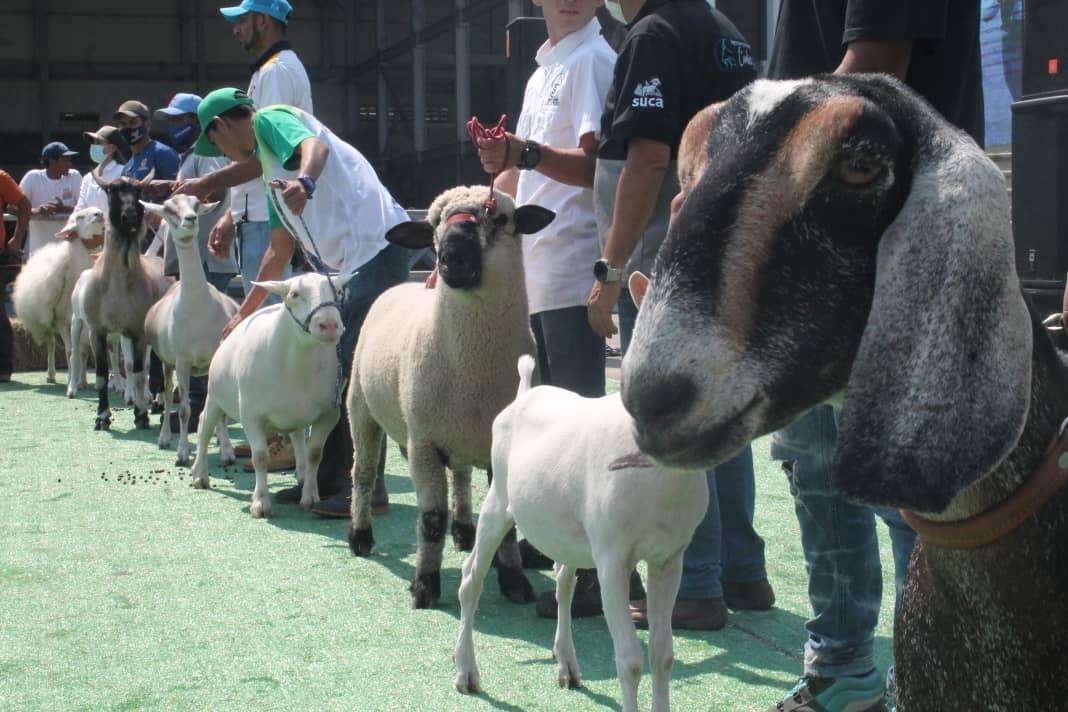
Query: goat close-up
x,y
843,243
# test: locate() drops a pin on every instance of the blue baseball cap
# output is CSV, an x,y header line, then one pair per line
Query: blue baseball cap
x,y
56,149
278,9
180,104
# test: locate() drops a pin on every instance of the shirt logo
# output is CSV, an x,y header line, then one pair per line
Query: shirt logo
x,y
647,94
734,54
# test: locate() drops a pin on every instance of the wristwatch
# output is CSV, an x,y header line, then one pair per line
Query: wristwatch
x,y
530,156
309,184
605,272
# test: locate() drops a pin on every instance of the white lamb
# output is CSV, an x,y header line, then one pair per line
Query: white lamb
x,y
277,372
185,326
433,367
568,473
41,294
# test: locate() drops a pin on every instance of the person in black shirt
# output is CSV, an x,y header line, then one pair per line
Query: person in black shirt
x,y
933,45
678,56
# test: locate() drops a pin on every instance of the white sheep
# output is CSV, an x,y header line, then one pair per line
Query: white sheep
x,y
185,327
567,472
433,367
42,292
277,372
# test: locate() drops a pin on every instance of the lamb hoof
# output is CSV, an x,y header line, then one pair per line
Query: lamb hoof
x,y
141,420
514,584
182,461
71,394
468,683
260,509
102,423
200,482
426,590
463,535
50,379
227,457
361,541
163,444
307,504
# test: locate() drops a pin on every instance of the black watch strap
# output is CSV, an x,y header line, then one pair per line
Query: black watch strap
x,y
530,156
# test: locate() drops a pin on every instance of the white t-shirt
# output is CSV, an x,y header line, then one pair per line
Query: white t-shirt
x,y
564,100
41,189
281,80
91,194
351,212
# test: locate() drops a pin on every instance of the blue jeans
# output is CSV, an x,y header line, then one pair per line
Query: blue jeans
x,y
570,354
845,581
253,239
198,385
386,269
725,546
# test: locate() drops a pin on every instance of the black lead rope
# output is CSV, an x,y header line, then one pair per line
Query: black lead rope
x,y
340,381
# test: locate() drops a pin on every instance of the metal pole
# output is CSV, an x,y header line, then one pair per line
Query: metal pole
x,y
44,99
418,82
463,71
772,18
382,101
201,47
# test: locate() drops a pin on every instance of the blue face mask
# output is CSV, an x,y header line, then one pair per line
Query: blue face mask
x,y
96,152
182,135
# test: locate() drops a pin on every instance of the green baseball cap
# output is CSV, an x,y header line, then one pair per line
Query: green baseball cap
x,y
215,103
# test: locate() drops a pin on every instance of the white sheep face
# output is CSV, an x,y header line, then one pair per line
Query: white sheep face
x,y
89,223
310,300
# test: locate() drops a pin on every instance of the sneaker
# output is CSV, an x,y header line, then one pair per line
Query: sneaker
x,y
281,456
861,693
586,601
748,595
688,614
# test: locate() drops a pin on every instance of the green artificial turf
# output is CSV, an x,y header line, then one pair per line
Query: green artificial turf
x,y
122,588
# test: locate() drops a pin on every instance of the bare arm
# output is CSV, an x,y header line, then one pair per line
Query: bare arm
x,y
213,185
22,224
274,262
572,166
886,56
313,154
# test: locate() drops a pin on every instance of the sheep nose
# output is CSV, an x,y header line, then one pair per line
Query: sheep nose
x,y
658,400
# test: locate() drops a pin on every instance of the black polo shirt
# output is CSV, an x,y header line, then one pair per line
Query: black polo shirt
x,y
811,38
678,57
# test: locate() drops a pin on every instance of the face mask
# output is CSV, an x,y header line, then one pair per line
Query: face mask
x,y
615,10
96,152
132,136
182,135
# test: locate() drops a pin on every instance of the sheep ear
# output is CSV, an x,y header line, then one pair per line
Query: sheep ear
x,y
274,287
414,234
531,218
940,388
638,284
155,208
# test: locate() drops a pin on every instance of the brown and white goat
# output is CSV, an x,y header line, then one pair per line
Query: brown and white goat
x,y
844,243
121,287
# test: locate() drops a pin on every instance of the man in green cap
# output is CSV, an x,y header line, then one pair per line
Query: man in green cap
x,y
323,193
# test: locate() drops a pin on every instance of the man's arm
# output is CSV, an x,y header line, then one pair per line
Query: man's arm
x,y
275,259
313,154
886,56
221,180
572,166
636,196
21,225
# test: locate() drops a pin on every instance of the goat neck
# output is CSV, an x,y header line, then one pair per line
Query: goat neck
x,y
121,252
193,282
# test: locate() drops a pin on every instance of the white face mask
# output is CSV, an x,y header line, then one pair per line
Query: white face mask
x,y
615,9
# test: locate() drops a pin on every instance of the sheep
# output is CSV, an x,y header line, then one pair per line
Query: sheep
x,y
845,244
278,372
564,472
185,327
120,288
42,292
433,367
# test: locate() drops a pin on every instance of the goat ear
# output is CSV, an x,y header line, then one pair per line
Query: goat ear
x,y
637,285
531,218
152,207
940,388
274,287
205,208
414,234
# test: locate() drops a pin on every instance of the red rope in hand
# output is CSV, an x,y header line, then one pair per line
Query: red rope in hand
x,y
479,133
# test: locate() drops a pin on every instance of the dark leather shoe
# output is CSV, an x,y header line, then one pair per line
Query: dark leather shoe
x,y
532,558
337,507
688,614
587,599
176,426
748,595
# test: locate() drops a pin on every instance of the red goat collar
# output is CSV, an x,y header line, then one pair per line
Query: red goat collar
x,y
1004,517
462,217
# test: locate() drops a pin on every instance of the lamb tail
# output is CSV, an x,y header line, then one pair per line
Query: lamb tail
x,y
526,373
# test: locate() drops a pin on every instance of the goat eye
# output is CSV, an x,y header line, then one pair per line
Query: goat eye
x,y
858,171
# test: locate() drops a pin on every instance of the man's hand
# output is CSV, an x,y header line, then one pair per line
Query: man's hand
x,y
603,298
293,193
48,209
500,154
232,324
200,188
222,236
